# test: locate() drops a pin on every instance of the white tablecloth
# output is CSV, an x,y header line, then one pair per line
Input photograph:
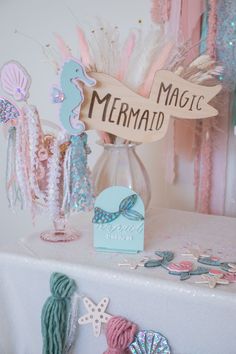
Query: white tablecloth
x,y
194,318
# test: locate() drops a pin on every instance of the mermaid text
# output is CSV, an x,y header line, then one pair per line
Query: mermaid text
x,y
113,107
121,228
121,113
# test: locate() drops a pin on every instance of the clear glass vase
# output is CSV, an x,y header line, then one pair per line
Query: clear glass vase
x,y
119,165
62,232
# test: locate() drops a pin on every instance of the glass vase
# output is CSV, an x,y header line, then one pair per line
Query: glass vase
x,y
62,232
119,165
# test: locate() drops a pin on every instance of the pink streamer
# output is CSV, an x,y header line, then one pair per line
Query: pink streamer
x,y
190,16
219,158
172,28
170,170
190,29
205,187
174,23
197,162
207,142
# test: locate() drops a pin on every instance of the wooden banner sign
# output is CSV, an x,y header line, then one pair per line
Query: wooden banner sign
x,y
112,107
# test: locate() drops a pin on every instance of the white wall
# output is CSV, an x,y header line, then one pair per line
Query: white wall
x,y
40,19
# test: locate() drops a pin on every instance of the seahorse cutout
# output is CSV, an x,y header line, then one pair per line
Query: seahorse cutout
x,y
73,95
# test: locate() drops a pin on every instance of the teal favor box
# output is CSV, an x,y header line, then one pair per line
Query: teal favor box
x,y
119,221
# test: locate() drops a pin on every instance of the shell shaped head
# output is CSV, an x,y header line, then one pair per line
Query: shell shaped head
x,y
15,80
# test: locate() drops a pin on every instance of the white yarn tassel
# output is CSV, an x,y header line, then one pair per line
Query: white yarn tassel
x,y
72,323
12,188
21,168
35,140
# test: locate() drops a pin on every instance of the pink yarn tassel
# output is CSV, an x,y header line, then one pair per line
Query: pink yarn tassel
x,y
120,334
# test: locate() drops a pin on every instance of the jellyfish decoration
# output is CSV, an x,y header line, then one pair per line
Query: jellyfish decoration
x,y
45,172
149,342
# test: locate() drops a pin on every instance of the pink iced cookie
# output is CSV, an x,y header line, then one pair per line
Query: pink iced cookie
x,y
216,272
231,277
181,267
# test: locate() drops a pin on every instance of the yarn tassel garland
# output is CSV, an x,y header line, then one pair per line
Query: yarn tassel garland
x,y
55,314
120,334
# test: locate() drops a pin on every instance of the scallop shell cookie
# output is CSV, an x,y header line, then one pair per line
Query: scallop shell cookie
x,y
149,342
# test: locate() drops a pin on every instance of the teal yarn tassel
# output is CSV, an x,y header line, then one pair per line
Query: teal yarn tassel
x,y
55,314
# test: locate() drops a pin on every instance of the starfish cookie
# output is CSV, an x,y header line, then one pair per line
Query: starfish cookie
x,y
96,314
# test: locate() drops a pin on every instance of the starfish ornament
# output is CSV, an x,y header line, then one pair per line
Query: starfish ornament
x,y
134,265
96,314
232,268
212,281
195,252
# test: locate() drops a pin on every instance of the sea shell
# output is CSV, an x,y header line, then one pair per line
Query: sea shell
x,y
15,80
149,342
7,110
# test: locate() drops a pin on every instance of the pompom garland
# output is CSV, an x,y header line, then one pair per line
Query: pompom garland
x,y
120,334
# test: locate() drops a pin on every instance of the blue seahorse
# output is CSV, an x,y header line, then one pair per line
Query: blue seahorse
x,y
72,96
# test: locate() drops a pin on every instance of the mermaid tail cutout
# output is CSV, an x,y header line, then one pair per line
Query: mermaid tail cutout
x,y
125,208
